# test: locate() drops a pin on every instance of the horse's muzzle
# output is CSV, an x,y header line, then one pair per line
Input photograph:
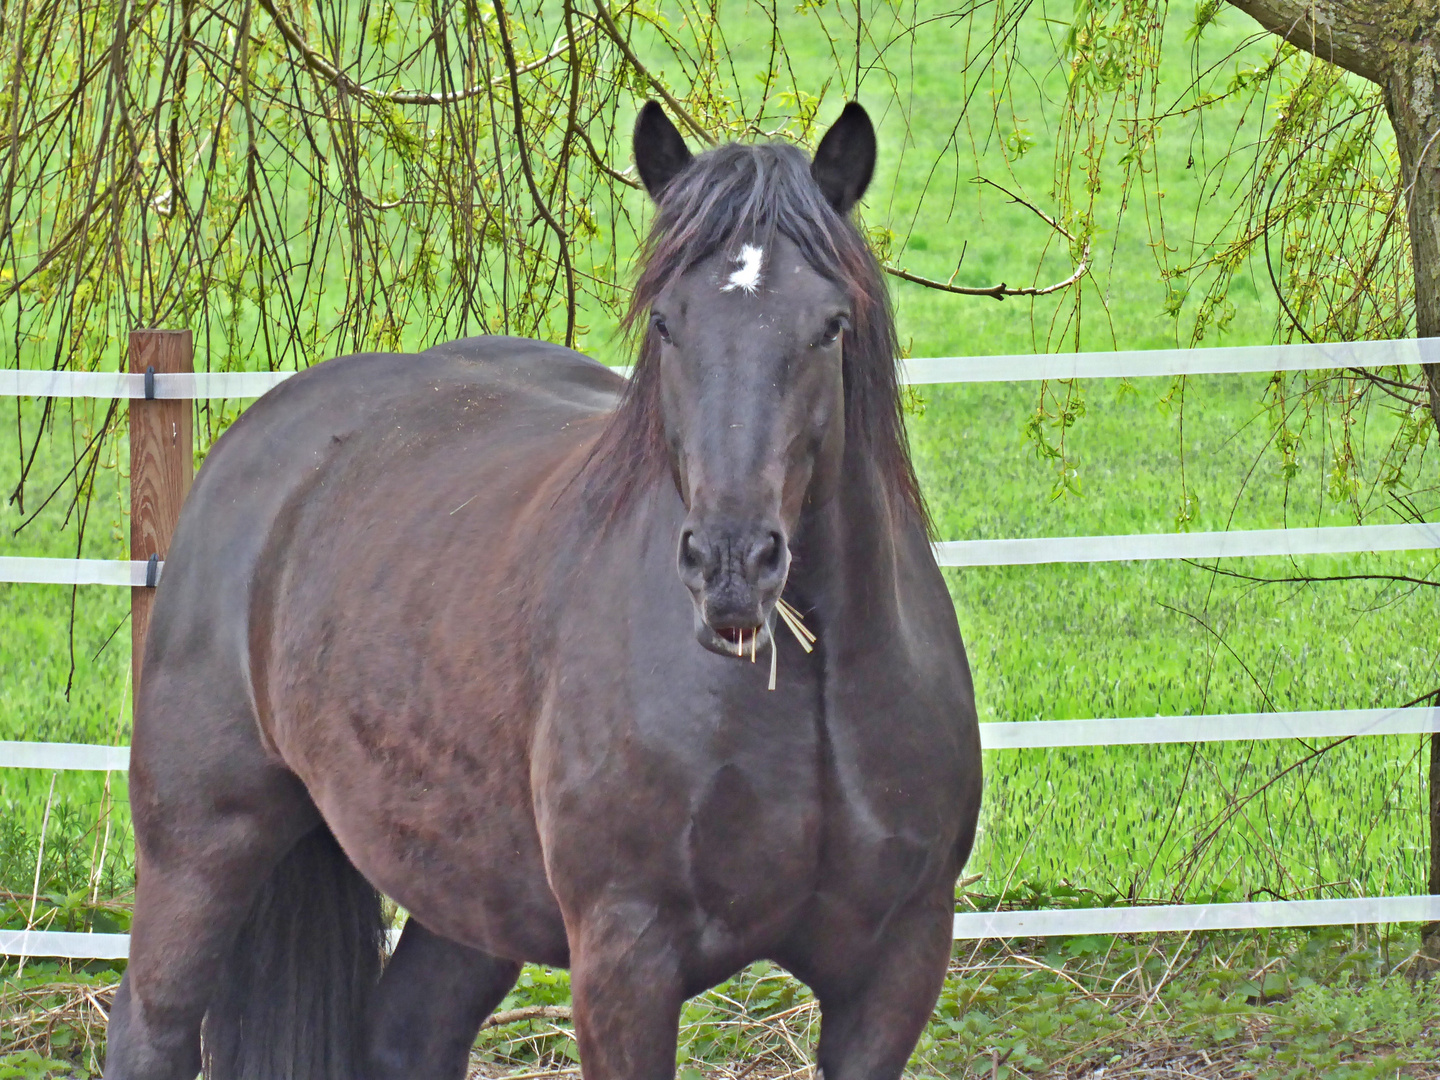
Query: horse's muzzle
x,y
734,577
740,642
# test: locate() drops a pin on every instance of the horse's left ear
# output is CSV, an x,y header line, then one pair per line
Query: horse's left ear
x,y
845,158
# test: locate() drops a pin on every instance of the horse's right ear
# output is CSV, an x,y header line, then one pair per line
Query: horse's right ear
x,y
845,159
660,151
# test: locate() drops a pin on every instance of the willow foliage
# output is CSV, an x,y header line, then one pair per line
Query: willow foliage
x,y
294,179
1311,182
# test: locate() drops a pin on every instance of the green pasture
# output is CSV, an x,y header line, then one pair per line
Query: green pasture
x,y
1124,639
1049,642
1083,826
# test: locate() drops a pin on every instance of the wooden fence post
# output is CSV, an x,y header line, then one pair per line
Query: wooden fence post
x,y
162,464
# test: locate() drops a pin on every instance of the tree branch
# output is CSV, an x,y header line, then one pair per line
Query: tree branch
x,y
1000,291
599,161
529,1012
1344,32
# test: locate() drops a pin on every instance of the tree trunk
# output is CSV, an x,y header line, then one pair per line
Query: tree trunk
x,y
1430,933
1412,97
1393,43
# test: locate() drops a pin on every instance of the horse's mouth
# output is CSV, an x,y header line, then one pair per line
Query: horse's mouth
x,y
738,642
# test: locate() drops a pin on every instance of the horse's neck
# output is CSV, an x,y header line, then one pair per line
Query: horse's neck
x,y
847,564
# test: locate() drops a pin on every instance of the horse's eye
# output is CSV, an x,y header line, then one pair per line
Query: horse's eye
x,y
658,321
834,328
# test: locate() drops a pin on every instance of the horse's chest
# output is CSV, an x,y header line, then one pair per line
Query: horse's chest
x,y
719,818
893,810
752,843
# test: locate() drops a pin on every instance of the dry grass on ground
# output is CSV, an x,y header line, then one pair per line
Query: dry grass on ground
x,y
1005,1014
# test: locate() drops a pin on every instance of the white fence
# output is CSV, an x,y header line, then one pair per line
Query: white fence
x,y
959,553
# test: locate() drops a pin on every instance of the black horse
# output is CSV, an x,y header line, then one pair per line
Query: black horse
x,y
421,631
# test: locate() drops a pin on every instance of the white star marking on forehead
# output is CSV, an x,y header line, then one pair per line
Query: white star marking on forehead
x,y
746,277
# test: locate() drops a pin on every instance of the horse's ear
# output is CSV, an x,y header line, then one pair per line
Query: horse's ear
x,y
845,158
660,151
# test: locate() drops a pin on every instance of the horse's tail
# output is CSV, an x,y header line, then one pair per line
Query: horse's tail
x,y
291,1000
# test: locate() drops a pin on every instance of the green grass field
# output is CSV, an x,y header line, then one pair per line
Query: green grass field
x,y
1052,642
1046,642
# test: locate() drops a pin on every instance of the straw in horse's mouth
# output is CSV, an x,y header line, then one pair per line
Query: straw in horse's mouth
x,y
737,636
741,638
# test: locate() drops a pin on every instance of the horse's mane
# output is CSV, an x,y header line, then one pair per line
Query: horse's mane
x,y
739,192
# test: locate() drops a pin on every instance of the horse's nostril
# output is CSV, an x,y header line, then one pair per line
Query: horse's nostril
x,y
770,556
767,559
689,551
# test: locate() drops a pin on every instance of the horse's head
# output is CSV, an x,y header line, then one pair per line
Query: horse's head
x,y
749,335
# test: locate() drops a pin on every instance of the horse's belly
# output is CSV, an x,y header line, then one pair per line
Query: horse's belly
x,y
449,837
497,905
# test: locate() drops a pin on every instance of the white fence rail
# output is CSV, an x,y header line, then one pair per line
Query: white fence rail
x,y
1240,543
995,735
31,571
1227,360
1163,918
968,925
115,384
1216,727
62,756
959,553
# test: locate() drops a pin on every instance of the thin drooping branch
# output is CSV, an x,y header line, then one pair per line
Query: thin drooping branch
x,y
562,239
1312,579
1001,291
317,63
1022,201
623,45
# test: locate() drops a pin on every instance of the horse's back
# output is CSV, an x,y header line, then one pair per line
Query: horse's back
x,y
302,445
339,398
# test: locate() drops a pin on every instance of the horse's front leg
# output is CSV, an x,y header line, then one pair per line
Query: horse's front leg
x,y
872,1013
626,993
